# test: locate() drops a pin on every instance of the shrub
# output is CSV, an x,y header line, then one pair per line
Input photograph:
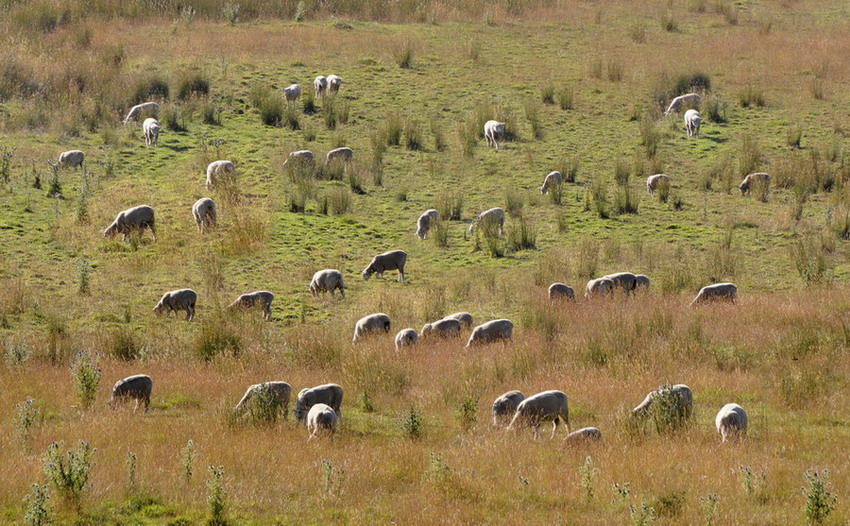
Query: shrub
x,y
270,105
193,85
643,515
85,372
412,423
16,355
27,416
587,472
39,511
83,276
187,456
300,12
709,508
211,114
467,413
231,13
217,498
819,501
69,474
6,155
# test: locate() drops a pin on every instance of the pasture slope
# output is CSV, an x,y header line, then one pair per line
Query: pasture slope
x,y
416,445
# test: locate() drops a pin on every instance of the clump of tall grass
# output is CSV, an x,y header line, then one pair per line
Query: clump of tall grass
x,y
596,199
403,54
393,128
522,234
650,136
308,103
269,104
547,94
638,33
125,344
149,88
449,205
565,98
174,118
626,200
217,337
440,234
668,22
412,135
339,200
615,71
749,156
728,10
438,134
290,117
468,136
514,201
568,166
794,136
812,258
532,113
751,96
193,85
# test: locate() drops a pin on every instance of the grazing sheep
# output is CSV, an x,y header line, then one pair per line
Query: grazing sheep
x,y
371,325
642,282
321,419
598,288
204,212
151,129
343,154
490,332
464,318
681,396
146,108
754,179
583,436
334,83
137,387
654,182
731,422
687,100
693,120
489,218
559,291
320,85
218,169
505,406
278,391
445,328
406,338
183,299
292,92
328,280
545,406
624,281
72,159
425,221
300,157
718,292
136,219
493,129
392,260
553,179
260,298
330,394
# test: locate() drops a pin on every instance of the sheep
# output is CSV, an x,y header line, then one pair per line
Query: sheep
x,y
330,394
370,325
151,129
445,328
545,406
464,318
558,291
505,406
392,260
584,435
718,292
423,224
304,157
689,99
489,219
149,108
278,393
137,387
204,212
328,280
654,182
218,169
406,338
642,282
754,179
340,154
320,85
493,129
334,83
598,288
490,332
292,93
321,419
624,281
680,396
553,179
182,299
731,422
136,219
260,298
72,159
693,120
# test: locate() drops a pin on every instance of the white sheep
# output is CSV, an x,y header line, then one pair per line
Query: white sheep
x,y
687,100
137,387
372,324
493,129
151,130
217,170
583,436
505,406
559,291
321,419
657,181
546,406
327,280
718,292
425,221
146,108
278,392
464,318
292,93
552,180
334,83
642,282
135,219
445,328
598,288
491,332
758,178
693,120
406,338
183,299
304,157
329,394
392,260
489,219
680,397
320,85
72,159
204,212
623,281
731,422
340,154
261,298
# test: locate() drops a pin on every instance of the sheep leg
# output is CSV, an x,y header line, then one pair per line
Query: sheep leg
x,y
554,428
153,229
400,276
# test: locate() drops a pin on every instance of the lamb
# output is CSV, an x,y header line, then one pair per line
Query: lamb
x,y
680,397
148,108
718,292
392,260
423,224
151,129
493,129
278,392
490,332
464,318
321,419
300,157
204,212
654,182
505,406
445,328
217,170
687,100
624,281
334,83
371,325
406,338
260,298
330,394
489,219
133,219
758,178
559,291
292,93
598,288
584,435
182,299
320,85
553,179
731,422
328,280
693,120
545,406
642,282
137,387
72,159
343,154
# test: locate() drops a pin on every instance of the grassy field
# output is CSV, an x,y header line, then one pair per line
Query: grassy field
x,y
432,73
